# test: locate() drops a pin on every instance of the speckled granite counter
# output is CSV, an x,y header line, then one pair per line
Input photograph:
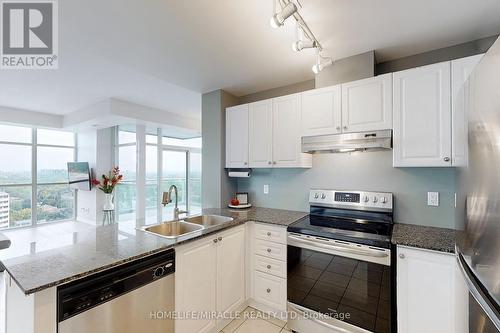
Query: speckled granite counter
x,y
53,254
430,238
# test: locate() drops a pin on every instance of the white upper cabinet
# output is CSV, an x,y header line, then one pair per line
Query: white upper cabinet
x,y
321,111
460,71
286,133
260,134
237,136
367,104
422,116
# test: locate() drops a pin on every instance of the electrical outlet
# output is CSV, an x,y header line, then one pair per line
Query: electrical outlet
x,y
266,189
432,198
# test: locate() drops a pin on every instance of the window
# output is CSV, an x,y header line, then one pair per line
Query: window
x,y
167,161
39,154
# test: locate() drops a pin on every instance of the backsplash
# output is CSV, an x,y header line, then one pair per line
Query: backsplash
x,y
371,171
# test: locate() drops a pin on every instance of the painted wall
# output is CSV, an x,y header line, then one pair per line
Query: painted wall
x,y
372,171
349,69
216,187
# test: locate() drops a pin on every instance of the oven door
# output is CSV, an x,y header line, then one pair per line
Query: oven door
x,y
337,286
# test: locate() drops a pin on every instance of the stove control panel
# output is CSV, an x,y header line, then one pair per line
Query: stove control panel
x,y
351,199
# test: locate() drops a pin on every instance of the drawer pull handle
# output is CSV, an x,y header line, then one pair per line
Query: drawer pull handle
x,y
215,240
220,238
269,234
269,250
268,266
268,290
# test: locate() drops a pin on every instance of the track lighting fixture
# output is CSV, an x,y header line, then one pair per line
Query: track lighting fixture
x,y
303,44
278,19
319,66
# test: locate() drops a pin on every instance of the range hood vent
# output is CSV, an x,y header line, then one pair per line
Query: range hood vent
x,y
347,142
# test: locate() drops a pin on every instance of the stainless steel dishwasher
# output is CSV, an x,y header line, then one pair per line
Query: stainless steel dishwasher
x,y
135,297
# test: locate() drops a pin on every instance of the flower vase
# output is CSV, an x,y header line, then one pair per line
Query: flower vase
x,y
108,202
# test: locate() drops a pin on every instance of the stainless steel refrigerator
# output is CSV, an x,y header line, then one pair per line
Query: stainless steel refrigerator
x,y
478,190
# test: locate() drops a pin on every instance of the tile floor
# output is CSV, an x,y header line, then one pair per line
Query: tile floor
x,y
254,321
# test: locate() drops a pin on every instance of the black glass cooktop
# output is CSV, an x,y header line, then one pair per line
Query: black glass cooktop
x,y
369,228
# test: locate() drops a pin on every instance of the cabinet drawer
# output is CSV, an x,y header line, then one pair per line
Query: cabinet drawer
x,y
270,266
270,233
270,290
270,249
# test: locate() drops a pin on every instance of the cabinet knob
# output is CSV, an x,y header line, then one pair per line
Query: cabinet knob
x,y
269,234
215,240
401,255
446,159
269,250
338,128
274,162
345,127
268,290
220,238
269,162
245,163
268,266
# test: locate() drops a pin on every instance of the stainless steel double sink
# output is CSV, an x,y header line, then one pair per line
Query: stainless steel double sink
x,y
186,226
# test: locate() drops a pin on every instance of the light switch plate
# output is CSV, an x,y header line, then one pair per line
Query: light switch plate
x,y
266,189
432,198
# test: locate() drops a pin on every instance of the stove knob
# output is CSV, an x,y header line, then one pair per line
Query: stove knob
x,y
323,196
383,200
366,198
316,195
375,199
158,272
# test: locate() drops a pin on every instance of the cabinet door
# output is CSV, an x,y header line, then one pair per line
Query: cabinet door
x,y
367,104
321,111
422,117
261,134
230,271
237,136
286,133
425,291
195,284
460,90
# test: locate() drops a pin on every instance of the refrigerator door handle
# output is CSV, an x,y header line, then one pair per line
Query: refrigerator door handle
x,y
476,293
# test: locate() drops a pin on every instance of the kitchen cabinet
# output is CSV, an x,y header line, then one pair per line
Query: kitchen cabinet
x,y
321,111
427,297
274,132
209,277
367,104
261,134
422,117
460,91
237,136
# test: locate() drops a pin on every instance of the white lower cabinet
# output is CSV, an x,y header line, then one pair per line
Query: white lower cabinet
x,y
270,290
209,277
427,293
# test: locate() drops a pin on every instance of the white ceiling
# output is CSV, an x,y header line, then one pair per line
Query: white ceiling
x,y
164,53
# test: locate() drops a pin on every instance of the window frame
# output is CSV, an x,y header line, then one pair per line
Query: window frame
x,y
34,176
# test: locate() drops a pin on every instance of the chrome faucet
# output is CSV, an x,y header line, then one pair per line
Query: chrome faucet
x,y
167,198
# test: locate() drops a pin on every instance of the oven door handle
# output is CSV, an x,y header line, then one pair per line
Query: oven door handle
x,y
319,244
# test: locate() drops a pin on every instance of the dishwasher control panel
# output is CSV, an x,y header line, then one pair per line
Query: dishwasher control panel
x,y
81,295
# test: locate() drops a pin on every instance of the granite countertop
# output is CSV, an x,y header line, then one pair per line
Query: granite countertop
x,y
52,254
430,238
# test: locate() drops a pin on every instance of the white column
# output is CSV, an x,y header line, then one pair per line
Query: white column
x,y
140,206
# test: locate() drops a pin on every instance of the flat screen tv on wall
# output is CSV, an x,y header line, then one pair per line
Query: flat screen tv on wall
x,y
79,176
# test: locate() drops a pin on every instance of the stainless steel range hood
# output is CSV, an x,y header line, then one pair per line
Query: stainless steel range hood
x,y
347,142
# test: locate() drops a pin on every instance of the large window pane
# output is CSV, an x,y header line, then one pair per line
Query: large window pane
x,y
174,173
195,183
152,139
190,143
58,138
152,198
52,164
15,164
15,206
127,162
15,134
54,203
125,137
126,199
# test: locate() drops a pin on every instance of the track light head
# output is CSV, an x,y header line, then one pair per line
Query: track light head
x,y
319,66
303,44
278,19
